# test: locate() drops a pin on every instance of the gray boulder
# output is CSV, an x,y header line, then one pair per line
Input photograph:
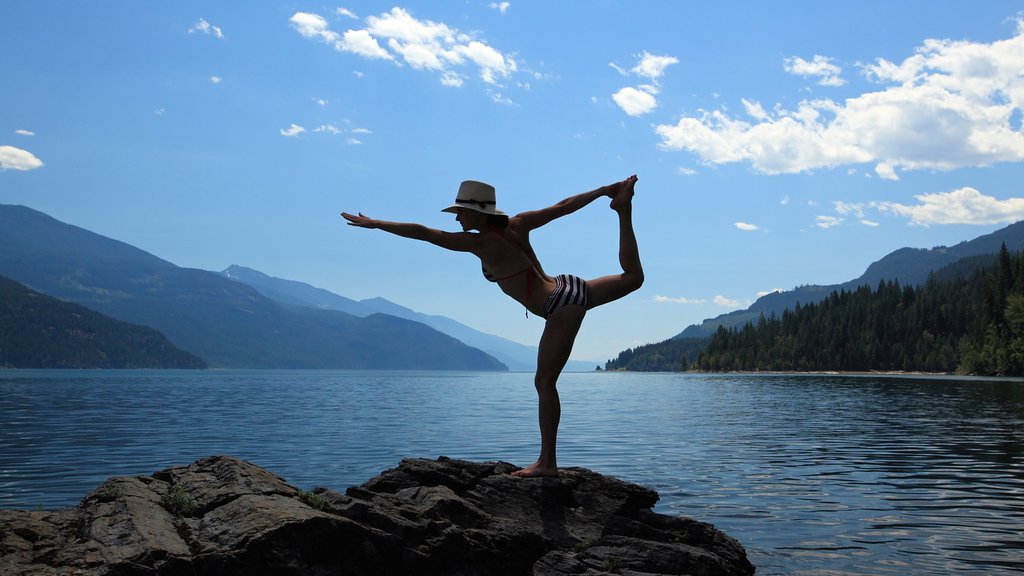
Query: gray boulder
x,y
221,516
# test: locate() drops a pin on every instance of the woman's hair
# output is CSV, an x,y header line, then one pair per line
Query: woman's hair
x,y
496,221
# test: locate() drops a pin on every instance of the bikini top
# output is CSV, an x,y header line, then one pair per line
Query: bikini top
x,y
530,271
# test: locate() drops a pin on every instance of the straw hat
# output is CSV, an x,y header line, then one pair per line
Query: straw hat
x,y
476,196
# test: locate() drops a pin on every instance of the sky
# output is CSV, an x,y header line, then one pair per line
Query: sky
x,y
777,144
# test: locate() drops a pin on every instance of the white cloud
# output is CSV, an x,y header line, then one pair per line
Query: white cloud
x,y
726,302
885,171
686,171
205,27
501,6
398,37
21,132
963,206
820,67
950,105
827,222
848,208
870,223
293,130
12,158
159,111
329,128
638,100
678,300
746,227
361,131
346,13
353,141
772,291
651,66
320,101
216,79
635,102
313,26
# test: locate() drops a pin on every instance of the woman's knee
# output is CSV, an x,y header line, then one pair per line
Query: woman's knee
x,y
544,384
632,281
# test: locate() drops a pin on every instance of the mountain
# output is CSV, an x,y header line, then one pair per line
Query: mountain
x,y
225,322
906,265
39,331
516,356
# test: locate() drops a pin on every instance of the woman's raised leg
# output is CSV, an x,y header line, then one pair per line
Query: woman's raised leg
x,y
607,288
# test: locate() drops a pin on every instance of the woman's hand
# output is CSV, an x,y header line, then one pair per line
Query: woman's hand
x,y
360,220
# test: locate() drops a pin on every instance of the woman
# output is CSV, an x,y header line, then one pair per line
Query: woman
x,y
503,246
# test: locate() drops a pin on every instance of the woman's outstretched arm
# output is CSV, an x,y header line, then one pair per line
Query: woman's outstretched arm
x,y
458,241
536,218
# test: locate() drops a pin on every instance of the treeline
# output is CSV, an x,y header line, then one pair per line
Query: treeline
x,y
668,356
969,324
38,331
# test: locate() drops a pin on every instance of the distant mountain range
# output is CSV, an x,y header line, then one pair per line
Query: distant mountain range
x,y
39,331
225,322
906,265
516,356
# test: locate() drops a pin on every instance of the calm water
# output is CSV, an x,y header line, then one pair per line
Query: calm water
x,y
814,474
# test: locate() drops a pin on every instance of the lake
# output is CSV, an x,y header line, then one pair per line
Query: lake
x,y
814,474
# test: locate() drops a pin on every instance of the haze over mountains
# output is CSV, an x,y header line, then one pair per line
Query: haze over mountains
x,y
245,319
513,354
225,322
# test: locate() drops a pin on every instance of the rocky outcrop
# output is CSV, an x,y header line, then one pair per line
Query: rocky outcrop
x,y
221,515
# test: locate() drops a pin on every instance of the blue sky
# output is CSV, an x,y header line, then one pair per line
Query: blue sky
x,y
777,144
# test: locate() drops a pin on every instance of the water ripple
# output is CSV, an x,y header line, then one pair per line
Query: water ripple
x,y
814,474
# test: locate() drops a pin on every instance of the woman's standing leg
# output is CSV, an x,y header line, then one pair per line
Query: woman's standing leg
x,y
553,352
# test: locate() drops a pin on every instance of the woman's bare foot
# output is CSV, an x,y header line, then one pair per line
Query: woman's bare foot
x,y
624,197
535,470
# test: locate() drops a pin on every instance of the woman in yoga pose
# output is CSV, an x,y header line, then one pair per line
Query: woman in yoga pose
x,y
503,245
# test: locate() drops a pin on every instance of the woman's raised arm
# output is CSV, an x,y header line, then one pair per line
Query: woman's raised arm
x,y
536,218
457,241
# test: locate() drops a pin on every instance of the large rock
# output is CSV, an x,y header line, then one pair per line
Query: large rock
x,y
221,515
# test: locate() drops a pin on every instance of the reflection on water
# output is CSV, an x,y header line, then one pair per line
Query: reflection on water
x,y
814,474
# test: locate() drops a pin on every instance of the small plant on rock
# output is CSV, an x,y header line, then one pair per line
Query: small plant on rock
x,y
312,499
109,493
177,501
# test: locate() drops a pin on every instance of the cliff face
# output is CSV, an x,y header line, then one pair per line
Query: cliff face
x,y
222,516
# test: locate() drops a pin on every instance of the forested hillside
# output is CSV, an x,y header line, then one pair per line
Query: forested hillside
x,y
971,324
37,331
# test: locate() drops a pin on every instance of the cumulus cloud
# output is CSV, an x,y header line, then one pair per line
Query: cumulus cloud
x,y
635,101
746,227
398,37
501,6
205,27
346,13
964,206
292,131
952,104
216,79
639,100
12,158
820,67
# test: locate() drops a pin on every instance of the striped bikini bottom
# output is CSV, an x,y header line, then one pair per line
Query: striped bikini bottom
x,y
568,290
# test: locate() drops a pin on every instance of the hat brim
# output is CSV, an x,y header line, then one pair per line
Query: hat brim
x,y
489,210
